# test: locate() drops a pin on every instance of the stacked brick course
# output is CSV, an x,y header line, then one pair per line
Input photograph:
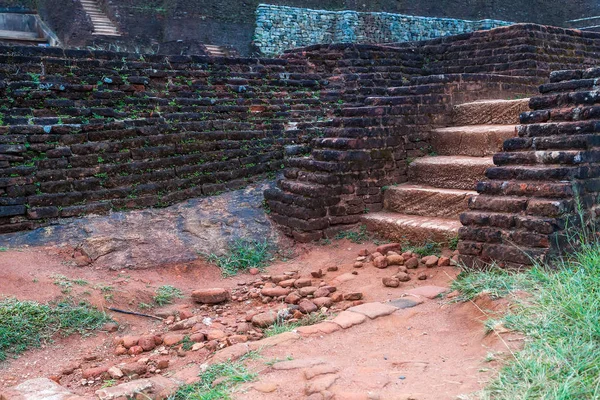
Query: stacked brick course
x,y
93,131
530,199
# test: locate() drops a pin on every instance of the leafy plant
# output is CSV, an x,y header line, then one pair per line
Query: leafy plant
x,y
358,237
165,295
243,255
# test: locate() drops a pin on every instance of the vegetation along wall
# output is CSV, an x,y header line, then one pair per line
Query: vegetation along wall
x,y
90,131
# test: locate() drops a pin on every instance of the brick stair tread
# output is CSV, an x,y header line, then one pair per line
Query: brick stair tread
x,y
427,201
451,172
411,228
471,140
490,112
20,35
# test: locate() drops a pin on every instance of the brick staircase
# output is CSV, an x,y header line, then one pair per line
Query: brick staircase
x,y
440,185
103,26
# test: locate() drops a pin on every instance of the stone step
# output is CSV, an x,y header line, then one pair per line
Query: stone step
x,y
471,140
427,201
20,35
486,112
413,229
451,172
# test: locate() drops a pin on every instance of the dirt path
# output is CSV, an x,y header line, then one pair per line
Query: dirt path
x,y
434,350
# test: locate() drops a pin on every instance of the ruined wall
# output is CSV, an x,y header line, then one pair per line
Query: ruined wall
x,y
85,132
369,143
528,203
281,28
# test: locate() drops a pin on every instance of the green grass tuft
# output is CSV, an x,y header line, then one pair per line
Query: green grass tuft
x,y
165,295
226,375
243,255
281,327
26,324
427,249
561,320
358,237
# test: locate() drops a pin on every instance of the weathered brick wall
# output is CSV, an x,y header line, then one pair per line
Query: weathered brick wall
x,y
92,131
528,202
368,144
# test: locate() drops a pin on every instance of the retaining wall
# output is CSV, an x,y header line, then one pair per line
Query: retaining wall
x,y
280,28
89,131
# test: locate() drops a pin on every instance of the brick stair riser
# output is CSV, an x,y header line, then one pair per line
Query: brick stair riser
x,y
411,232
428,203
473,144
449,176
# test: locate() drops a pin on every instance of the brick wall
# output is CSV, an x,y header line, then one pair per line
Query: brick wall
x,y
93,131
527,208
369,142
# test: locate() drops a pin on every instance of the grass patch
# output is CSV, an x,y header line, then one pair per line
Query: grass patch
x,y
26,324
281,327
561,319
165,295
427,249
243,255
358,237
217,382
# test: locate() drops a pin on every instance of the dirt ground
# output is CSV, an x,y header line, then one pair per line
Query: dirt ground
x,y
436,350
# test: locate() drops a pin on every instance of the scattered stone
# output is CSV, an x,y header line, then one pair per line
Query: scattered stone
x,y
443,262
307,306
354,272
129,341
343,278
287,283
346,319
319,370
254,271
384,248
134,368
402,268
211,296
452,294
358,264
422,276
197,346
135,350
394,259
307,290
120,350
373,310
361,258
147,342
353,296
171,339
115,372
429,292
304,282
412,263
265,319
293,298
380,262
391,282
337,297
215,334
430,261
363,252
317,274
333,268
322,292
93,372
275,292
323,302
402,277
